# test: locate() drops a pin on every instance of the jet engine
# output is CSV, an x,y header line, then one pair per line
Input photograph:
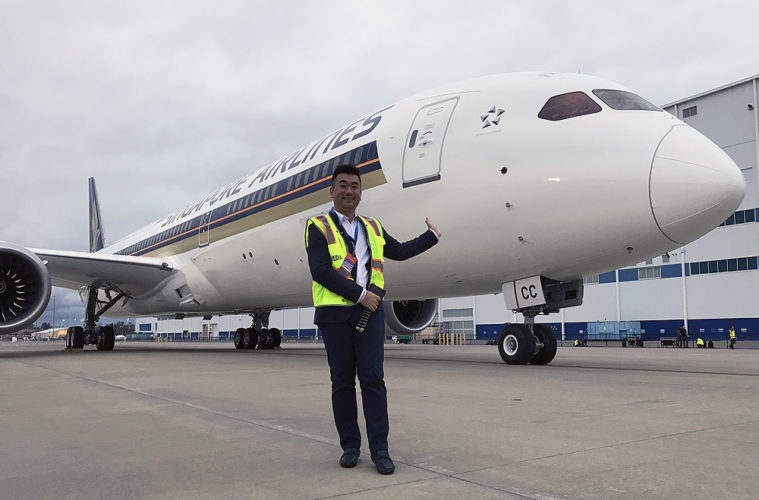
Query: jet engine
x,y
410,316
24,287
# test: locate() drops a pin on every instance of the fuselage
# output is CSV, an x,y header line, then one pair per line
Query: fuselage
x,y
523,176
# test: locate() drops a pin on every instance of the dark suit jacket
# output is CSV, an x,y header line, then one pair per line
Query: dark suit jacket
x,y
323,273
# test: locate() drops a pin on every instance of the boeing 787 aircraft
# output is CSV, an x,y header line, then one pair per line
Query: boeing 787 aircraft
x,y
536,179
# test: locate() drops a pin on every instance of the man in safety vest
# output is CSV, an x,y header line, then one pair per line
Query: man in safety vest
x,y
732,337
346,255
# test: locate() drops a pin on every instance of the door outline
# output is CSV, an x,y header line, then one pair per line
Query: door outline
x,y
204,230
410,179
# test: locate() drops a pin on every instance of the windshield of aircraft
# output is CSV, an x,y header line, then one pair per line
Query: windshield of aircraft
x,y
570,105
623,100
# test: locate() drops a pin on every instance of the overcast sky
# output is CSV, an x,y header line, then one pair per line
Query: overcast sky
x,y
163,102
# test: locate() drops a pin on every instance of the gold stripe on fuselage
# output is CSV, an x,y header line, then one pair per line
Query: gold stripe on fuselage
x,y
301,204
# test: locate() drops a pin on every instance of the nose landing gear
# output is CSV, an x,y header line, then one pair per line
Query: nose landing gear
x,y
530,343
535,343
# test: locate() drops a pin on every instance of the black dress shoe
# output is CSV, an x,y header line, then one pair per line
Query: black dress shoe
x,y
349,458
382,460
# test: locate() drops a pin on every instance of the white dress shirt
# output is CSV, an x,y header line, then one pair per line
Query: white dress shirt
x,y
361,248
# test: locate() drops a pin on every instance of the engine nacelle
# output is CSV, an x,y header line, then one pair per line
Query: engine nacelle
x,y
24,287
410,316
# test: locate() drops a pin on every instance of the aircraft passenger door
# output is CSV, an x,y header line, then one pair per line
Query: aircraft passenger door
x,y
424,143
204,230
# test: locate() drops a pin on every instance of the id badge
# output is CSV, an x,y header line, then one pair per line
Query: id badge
x,y
348,264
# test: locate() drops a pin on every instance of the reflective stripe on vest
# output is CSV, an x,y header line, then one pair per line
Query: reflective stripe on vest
x,y
338,250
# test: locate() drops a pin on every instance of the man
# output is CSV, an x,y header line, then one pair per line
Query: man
x,y
345,255
680,335
732,337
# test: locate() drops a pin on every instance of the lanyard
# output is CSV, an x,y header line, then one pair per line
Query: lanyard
x,y
355,229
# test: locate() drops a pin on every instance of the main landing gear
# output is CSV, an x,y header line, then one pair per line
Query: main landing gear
x,y
103,337
259,335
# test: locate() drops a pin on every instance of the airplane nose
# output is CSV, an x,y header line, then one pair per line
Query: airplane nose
x,y
694,185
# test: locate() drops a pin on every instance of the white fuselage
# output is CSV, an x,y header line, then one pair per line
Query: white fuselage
x,y
579,196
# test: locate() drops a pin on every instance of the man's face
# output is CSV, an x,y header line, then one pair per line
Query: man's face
x,y
346,193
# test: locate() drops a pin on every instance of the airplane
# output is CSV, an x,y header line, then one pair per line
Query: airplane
x,y
535,179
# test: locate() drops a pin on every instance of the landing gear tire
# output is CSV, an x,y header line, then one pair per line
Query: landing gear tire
x,y
239,334
75,337
105,338
264,339
516,344
276,337
250,339
548,339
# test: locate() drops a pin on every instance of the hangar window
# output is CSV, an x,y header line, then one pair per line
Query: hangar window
x,y
649,273
688,112
588,280
454,313
570,105
623,100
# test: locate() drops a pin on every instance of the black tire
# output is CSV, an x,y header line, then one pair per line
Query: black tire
x,y
276,337
68,337
546,337
264,339
109,338
239,334
250,339
99,338
77,337
516,344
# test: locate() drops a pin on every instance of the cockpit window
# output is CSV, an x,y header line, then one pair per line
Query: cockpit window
x,y
620,99
563,106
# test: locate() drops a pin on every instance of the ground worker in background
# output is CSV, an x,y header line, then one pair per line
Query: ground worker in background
x,y
732,337
700,343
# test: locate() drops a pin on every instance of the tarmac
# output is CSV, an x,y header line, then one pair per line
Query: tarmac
x,y
170,421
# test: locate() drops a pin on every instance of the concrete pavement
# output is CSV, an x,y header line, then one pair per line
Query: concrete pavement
x,y
185,421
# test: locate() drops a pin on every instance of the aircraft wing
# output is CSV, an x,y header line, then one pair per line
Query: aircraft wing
x,y
132,276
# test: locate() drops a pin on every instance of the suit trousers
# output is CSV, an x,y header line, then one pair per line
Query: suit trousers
x,y
351,353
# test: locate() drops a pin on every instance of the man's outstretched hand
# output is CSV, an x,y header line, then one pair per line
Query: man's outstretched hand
x,y
432,226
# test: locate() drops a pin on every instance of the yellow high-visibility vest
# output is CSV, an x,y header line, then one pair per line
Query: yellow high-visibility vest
x,y
732,333
338,251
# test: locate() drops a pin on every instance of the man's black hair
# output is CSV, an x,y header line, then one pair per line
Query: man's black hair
x,y
345,169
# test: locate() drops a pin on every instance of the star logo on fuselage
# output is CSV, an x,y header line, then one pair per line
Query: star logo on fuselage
x,y
492,117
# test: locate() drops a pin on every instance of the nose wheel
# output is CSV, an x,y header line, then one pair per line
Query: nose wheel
x,y
517,345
